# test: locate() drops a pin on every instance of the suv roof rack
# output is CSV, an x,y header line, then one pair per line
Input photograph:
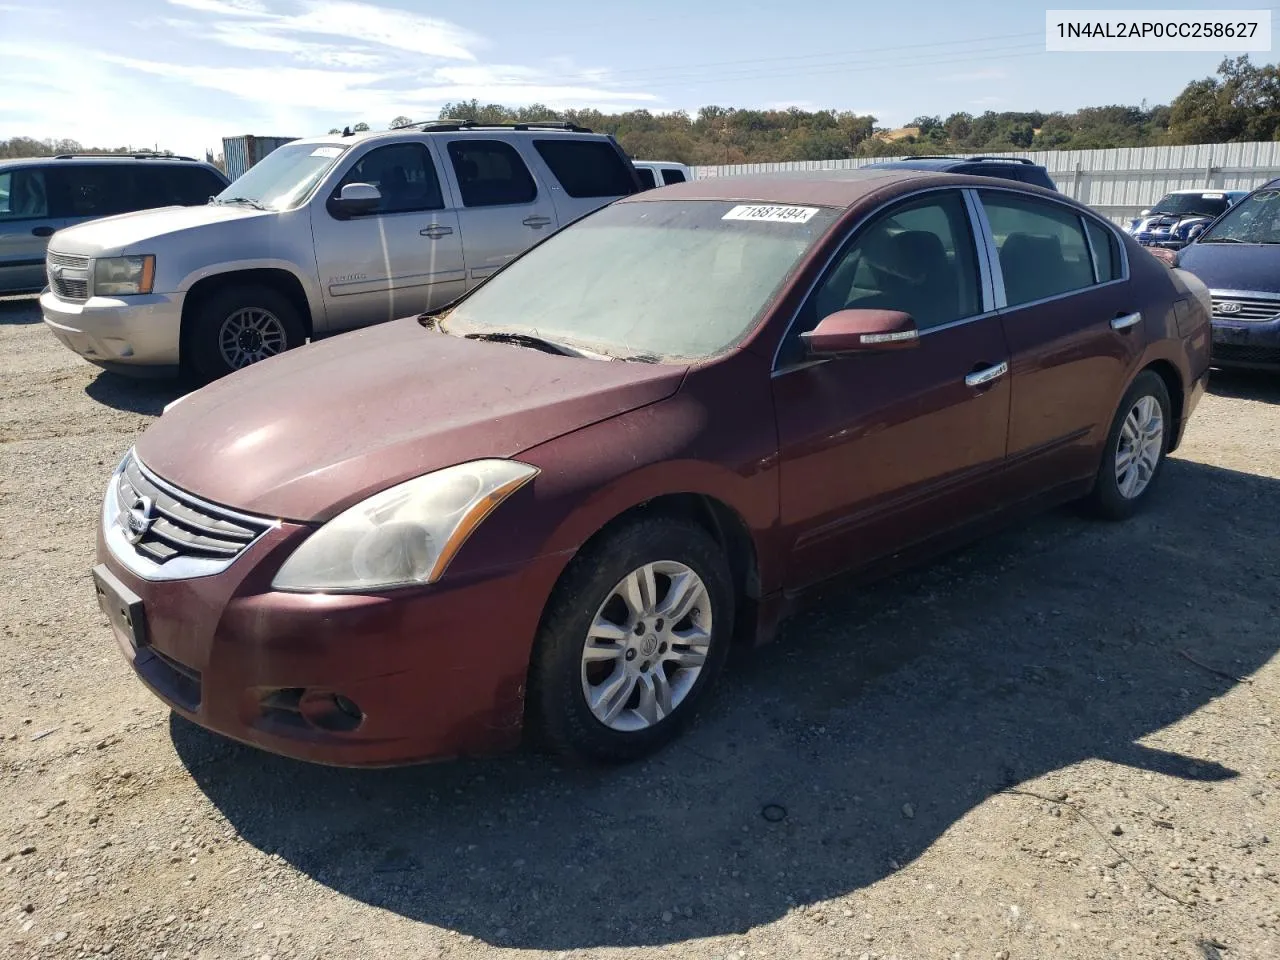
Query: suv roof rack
x,y
448,125
148,155
1003,160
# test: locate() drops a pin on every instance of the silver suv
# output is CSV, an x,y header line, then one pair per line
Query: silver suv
x,y
323,235
41,195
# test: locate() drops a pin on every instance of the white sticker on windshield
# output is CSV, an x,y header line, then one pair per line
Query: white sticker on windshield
x,y
327,152
770,214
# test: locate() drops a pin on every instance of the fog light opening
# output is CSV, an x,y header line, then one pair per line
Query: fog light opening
x,y
331,711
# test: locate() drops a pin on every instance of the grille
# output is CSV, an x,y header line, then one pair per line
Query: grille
x,y
1251,308
181,525
68,287
1241,353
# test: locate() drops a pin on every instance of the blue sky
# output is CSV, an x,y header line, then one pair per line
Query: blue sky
x,y
185,73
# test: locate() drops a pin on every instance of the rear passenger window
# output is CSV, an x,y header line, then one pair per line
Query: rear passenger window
x,y
192,186
1041,246
490,173
405,176
1106,252
99,189
646,178
23,195
671,175
586,168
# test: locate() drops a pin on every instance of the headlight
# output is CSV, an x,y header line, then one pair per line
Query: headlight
x,y
405,535
122,276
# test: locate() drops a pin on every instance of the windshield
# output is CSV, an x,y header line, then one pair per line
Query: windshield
x,y
1186,204
671,279
285,177
1255,219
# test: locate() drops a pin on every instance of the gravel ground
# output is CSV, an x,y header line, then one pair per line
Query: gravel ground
x,y
1009,754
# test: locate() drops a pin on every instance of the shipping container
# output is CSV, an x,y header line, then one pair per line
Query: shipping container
x,y
241,153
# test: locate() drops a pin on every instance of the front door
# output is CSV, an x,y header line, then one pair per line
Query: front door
x,y
400,259
1074,330
503,208
27,222
883,450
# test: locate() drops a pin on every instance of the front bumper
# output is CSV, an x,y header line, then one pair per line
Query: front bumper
x,y
1247,344
1164,240
134,335
432,672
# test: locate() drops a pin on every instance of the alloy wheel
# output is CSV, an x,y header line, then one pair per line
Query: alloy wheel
x,y
249,335
646,646
1139,447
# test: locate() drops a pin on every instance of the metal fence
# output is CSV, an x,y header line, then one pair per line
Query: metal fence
x,y
1117,183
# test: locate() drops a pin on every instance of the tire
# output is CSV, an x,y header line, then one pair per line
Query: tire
x,y
259,310
587,600
1116,496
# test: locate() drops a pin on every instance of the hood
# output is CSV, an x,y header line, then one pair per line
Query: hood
x,y
116,235
1234,266
304,435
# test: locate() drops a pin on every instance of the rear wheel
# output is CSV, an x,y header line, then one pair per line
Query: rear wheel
x,y
636,633
1135,449
240,326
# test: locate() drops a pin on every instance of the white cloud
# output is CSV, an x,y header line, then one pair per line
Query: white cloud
x,y
234,8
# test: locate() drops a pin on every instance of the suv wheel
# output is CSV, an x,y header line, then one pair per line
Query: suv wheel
x,y
242,325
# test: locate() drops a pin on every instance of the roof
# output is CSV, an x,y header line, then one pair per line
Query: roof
x,y
99,158
1206,190
944,163
824,188
479,130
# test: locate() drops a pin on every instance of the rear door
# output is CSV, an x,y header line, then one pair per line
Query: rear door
x,y
502,208
584,174
403,257
1074,331
95,189
27,220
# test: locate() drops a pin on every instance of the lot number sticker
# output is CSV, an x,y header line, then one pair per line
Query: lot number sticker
x,y
327,152
770,214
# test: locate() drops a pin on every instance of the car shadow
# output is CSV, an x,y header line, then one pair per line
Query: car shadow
x,y
1246,384
138,396
19,310
1035,649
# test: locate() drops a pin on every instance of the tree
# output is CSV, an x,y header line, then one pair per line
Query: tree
x,y
400,123
360,127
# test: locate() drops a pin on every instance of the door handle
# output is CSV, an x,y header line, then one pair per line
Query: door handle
x,y
1126,320
986,375
436,231
536,221
42,232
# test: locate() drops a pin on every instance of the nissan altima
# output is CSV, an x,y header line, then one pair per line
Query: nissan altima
x,y
552,507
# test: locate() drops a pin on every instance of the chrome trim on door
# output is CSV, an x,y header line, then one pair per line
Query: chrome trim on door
x,y
986,240
1126,321
987,374
980,249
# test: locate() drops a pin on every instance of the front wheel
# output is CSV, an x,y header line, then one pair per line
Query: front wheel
x,y
636,632
239,326
1135,449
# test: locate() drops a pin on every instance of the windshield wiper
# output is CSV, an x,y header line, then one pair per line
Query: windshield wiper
x,y
1223,240
246,200
529,340
642,358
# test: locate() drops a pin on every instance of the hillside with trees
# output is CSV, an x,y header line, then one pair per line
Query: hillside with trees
x,y
1241,102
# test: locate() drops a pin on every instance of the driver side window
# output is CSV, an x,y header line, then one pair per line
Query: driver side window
x,y
405,176
918,257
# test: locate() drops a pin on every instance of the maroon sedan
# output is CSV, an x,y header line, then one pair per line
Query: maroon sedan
x,y
558,503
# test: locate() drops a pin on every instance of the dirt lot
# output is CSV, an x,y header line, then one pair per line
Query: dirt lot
x,y
1005,755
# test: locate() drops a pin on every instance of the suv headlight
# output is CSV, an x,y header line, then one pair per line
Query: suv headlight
x,y
405,535
123,276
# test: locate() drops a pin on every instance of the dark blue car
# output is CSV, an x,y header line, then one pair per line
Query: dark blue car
x,y
1238,259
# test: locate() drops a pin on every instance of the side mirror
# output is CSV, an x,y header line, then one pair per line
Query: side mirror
x,y
355,199
861,331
